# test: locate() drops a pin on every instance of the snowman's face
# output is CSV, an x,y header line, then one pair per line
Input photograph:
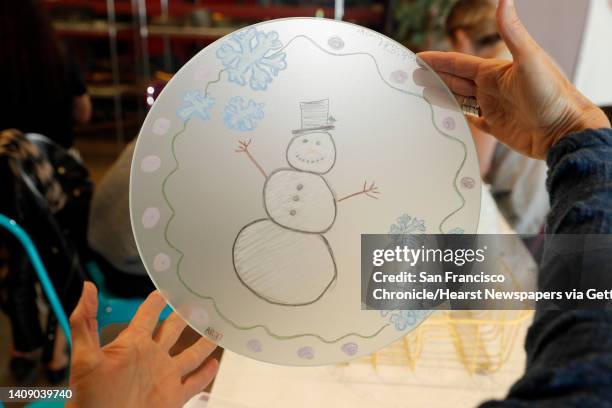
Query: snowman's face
x,y
314,152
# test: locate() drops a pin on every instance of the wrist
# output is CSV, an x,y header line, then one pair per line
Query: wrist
x,y
590,117
595,119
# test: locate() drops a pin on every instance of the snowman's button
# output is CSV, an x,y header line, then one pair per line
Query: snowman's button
x,y
292,212
300,186
296,198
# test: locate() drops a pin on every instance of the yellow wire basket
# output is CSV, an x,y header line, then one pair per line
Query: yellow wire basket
x,y
482,341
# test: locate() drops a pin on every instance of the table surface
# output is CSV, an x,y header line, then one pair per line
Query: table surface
x,y
437,379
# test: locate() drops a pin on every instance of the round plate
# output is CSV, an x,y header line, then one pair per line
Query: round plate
x,y
264,160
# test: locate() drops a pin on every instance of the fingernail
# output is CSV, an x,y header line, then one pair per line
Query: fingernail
x,y
90,297
85,289
213,365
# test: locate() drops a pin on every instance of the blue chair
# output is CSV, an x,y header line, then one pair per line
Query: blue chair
x,y
110,309
22,236
56,306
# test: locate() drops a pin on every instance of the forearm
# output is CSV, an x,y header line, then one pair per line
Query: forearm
x,y
580,184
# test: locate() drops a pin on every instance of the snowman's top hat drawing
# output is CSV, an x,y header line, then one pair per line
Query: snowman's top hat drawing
x,y
315,117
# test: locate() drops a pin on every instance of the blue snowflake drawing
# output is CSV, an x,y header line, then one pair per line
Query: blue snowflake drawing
x,y
406,224
242,115
404,319
249,55
457,231
195,103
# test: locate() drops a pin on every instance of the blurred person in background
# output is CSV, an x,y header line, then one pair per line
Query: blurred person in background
x,y
42,88
518,183
42,92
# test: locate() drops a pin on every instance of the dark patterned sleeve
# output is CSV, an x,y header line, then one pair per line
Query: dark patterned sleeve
x,y
569,353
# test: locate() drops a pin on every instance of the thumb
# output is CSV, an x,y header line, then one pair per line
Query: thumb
x,y
84,325
512,30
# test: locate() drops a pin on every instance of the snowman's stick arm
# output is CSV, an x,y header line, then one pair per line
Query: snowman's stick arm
x,y
244,148
350,196
261,170
368,191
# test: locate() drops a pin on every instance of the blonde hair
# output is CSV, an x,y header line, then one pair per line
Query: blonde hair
x,y
477,19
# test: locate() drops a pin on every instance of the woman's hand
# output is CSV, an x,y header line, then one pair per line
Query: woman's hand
x,y
528,104
135,370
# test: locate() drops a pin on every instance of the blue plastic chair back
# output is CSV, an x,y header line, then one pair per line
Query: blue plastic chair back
x,y
18,232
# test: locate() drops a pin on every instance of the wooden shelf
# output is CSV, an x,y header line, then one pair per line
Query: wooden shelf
x,y
98,6
95,29
100,29
110,91
366,15
189,33
362,15
183,40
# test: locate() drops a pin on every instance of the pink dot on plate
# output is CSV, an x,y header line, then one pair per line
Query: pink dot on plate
x,y
336,43
201,73
306,353
399,76
161,126
468,183
350,349
161,262
449,123
150,217
254,345
150,164
199,316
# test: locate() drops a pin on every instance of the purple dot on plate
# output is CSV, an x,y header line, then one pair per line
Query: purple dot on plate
x,y
161,262
306,353
161,126
336,43
350,349
399,77
254,345
449,123
468,183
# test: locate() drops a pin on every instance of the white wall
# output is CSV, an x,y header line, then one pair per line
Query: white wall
x,y
578,35
594,68
558,26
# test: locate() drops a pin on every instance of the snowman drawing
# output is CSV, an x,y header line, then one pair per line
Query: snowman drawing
x,y
285,259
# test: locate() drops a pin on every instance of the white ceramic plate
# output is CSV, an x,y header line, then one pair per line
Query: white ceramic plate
x,y
262,162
